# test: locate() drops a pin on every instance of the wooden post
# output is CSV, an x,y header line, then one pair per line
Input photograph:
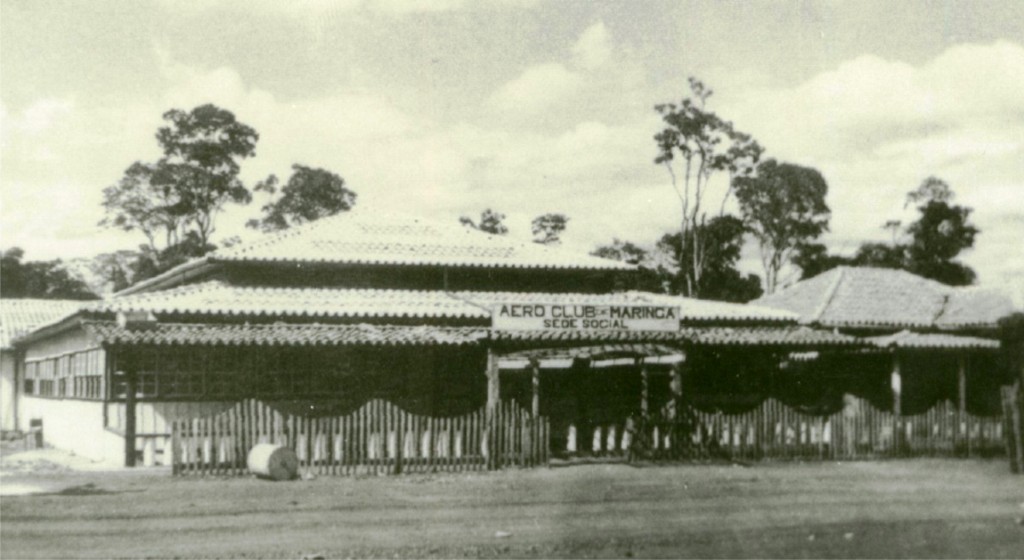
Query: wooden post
x,y
399,427
535,370
493,381
676,387
961,417
1012,421
493,403
645,391
131,384
896,383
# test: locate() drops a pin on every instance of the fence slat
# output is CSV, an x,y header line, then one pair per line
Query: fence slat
x,y
380,437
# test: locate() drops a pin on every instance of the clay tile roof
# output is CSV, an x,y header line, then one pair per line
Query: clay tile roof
x,y
786,336
280,334
876,297
690,309
594,336
219,298
705,310
367,238
907,339
19,316
968,307
767,336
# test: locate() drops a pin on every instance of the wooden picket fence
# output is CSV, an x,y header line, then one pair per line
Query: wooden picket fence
x,y
378,438
776,431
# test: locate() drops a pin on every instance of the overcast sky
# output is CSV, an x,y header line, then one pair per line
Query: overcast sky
x,y
445,107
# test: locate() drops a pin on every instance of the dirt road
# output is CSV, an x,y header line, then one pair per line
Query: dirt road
x,y
922,508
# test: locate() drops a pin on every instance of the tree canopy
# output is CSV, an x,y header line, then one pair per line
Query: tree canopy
x,y
783,206
619,250
660,273
939,235
144,200
721,280
490,221
926,247
201,152
38,279
174,202
695,145
185,190
547,229
310,194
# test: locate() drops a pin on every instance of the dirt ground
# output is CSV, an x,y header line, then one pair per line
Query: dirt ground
x,y
919,508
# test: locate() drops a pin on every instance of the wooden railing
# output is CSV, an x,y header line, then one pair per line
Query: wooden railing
x,y
377,438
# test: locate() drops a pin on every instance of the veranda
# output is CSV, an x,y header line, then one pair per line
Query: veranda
x,y
350,409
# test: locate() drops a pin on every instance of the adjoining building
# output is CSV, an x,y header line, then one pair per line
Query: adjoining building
x,y
941,339
436,319
17,317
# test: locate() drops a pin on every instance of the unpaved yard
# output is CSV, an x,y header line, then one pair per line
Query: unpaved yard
x,y
921,508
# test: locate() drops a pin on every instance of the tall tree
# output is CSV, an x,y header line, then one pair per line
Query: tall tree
x,y
813,258
659,271
940,234
651,275
547,229
695,145
174,201
201,152
186,189
783,206
490,221
112,272
931,243
721,280
310,194
141,201
150,264
38,279
880,255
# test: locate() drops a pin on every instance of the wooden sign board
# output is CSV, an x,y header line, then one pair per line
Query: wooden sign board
x,y
584,317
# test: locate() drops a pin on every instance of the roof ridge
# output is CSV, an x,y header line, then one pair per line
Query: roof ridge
x,y
829,294
942,308
269,237
467,301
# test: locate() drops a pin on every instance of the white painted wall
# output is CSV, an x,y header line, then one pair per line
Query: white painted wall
x,y
75,426
8,394
156,417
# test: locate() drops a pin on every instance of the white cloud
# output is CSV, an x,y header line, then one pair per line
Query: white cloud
x,y
415,6
593,48
36,119
869,103
42,114
312,10
876,128
537,88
